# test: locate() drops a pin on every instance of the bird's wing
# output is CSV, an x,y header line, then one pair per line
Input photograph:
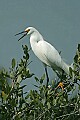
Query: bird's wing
x,y
49,55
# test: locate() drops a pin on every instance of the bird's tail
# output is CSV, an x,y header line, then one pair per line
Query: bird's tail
x,y
65,67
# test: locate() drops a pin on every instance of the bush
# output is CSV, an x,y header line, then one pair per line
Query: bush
x,y
53,103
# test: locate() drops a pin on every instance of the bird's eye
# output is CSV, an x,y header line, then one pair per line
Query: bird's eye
x,y
27,30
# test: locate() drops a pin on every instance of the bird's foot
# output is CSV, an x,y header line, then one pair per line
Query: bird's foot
x,y
61,85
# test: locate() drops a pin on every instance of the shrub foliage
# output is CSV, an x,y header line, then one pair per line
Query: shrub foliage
x,y
53,103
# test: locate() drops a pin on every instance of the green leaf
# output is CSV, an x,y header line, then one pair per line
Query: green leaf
x,y
19,78
13,63
70,71
76,58
11,74
4,95
30,75
36,86
43,77
24,57
48,104
22,86
36,79
79,47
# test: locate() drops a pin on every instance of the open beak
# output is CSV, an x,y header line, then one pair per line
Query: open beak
x,y
25,33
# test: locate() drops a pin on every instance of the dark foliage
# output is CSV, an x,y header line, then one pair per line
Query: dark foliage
x,y
60,104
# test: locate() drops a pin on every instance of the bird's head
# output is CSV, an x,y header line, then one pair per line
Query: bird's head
x,y
27,31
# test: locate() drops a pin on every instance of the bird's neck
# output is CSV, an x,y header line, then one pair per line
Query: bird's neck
x,y
35,37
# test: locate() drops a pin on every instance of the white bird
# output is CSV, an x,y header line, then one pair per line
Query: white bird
x,y
45,51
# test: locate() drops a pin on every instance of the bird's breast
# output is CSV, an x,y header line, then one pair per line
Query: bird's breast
x,y
39,51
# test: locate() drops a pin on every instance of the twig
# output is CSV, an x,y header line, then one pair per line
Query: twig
x,y
67,115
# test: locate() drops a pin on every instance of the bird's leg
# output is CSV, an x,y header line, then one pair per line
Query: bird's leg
x,y
47,83
62,76
47,76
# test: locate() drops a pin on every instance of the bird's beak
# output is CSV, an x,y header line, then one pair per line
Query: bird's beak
x,y
24,34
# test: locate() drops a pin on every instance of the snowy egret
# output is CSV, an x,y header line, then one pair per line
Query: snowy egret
x,y
45,52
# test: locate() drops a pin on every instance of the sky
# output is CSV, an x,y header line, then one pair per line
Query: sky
x,y
57,20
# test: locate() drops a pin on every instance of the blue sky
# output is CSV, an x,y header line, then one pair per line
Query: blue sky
x,y
57,20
